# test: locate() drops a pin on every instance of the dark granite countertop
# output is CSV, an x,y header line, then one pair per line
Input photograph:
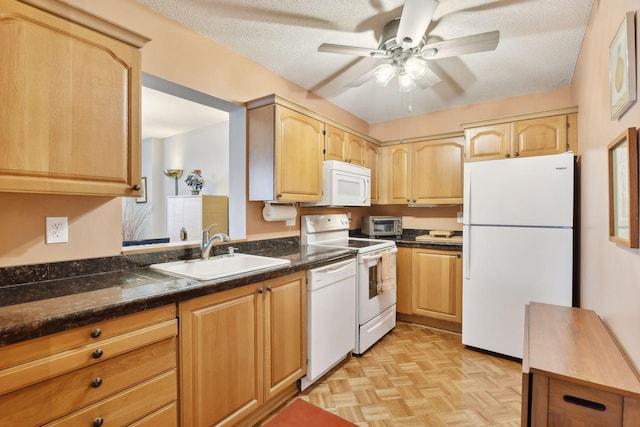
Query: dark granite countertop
x,y
408,240
30,310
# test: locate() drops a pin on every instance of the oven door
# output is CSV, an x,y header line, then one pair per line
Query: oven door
x,y
370,302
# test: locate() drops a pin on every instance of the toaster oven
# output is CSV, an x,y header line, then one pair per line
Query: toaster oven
x,y
382,226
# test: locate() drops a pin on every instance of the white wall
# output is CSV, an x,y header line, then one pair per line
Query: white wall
x,y
206,149
610,274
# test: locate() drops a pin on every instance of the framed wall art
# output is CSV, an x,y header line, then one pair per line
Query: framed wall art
x,y
622,67
623,189
143,191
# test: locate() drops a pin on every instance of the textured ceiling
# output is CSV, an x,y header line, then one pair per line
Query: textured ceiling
x,y
538,48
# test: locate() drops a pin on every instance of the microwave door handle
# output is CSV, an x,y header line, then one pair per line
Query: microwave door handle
x,y
366,189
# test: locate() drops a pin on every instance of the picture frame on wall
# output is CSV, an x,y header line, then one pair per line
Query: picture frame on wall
x,y
143,191
623,189
622,67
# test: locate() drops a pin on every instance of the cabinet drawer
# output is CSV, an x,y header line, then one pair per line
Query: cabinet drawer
x,y
576,405
64,394
25,351
48,367
126,407
165,417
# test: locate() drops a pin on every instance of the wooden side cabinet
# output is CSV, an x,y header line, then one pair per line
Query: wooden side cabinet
x,y
242,351
429,287
285,155
70,115
371,161
574,373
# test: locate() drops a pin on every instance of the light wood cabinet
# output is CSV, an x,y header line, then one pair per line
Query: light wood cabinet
x,y
343,146
285,155
425,172
429,287
117,371
574,373
355,150
521,138
70,114
371,161
241,350
436,284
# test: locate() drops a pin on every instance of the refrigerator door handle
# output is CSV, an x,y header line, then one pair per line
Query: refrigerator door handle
x,y
466,211
466,253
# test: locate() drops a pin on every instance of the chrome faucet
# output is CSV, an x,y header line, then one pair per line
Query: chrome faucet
x,y
207,242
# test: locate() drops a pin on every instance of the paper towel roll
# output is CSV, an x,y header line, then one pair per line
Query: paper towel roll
x,y
279,212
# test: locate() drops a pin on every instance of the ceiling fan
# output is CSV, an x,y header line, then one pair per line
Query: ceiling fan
x,y
403,45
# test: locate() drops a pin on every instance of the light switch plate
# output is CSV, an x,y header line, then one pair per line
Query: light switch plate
x,y
57,229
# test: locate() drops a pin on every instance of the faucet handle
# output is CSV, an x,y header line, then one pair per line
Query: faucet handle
x,y
206,230
232,250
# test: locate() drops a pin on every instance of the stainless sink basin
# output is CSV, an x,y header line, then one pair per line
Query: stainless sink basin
x,y
220,266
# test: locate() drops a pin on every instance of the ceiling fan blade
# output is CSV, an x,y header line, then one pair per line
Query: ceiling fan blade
x,y
363,78
476,43
351,50
416,16
429,79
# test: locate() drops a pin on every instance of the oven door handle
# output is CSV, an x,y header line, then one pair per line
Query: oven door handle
x,y
367,258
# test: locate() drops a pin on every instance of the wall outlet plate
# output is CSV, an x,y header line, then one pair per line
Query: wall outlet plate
x,y
57,230
460,217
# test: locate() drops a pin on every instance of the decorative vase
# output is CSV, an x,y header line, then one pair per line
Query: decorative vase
x,y
195,192
195,181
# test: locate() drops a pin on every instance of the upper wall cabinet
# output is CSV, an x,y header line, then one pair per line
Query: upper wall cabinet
x,y
343,146
371,162
70,114
531,136
285,155
424,172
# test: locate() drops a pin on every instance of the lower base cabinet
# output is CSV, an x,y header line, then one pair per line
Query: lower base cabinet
x,y
241,351
430,287
115,372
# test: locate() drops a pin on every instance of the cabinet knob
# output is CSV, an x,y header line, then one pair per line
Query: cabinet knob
x,y
136,187
97,354
408,200
516,154
279,195
414,200
96,333
98,422
97,382
458,254
507,155
269,288
261,291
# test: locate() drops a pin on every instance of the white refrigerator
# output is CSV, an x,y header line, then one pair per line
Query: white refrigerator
x,y
517,246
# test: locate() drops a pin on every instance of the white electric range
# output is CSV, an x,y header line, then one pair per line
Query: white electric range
x,y
375,311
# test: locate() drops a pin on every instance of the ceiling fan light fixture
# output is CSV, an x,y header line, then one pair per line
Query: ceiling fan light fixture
x,y
384,74
415,67
405,82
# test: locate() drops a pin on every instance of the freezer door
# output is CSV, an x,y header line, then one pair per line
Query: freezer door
x,y
531,191
505,268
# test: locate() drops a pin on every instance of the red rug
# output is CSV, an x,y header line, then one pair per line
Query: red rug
x,y
302,413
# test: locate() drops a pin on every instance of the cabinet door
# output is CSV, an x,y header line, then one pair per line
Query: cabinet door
x,y
285,332
298,159
403,281
221,357
399,187
355,150
71,105
335,144
437,284
488,142
436,169
371,162
537,137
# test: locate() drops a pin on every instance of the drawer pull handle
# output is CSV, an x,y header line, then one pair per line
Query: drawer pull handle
x,y
98,422
584,402
96,333
97,382
97,354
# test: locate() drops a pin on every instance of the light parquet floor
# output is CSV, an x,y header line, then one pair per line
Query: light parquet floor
x,y
417,376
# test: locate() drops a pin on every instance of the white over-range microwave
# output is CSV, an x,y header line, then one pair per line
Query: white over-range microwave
x,y
344,184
